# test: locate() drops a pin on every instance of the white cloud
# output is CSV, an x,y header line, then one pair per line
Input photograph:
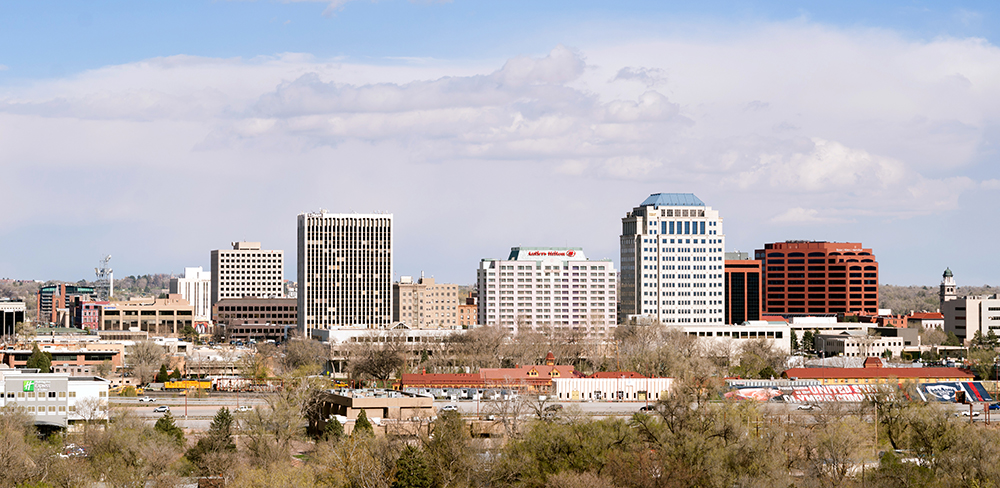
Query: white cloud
x,y
991,184
4,67
799,215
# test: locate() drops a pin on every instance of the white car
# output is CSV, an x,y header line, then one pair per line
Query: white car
x,y
806,406
965,413
147,399
244,408
161,408
449,408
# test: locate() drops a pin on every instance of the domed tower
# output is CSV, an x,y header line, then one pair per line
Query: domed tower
x,y
947,287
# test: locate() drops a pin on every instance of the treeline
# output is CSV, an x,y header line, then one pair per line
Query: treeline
x,y
691,439
903,299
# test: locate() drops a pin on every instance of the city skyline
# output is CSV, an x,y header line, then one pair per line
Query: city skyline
x,y
475,124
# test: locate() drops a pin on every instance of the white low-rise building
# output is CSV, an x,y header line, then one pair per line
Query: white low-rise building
x,y
624,388
777,334
55,399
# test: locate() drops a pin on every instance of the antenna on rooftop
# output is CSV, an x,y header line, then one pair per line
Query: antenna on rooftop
x,y
105,284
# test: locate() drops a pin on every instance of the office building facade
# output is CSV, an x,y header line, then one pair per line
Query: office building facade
x,y
195,287
52,299
672,261
344,270
554,287
11,313
810,277
246,270
743,291
425,304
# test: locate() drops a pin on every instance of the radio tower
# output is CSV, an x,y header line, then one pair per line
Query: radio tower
x,y
105,285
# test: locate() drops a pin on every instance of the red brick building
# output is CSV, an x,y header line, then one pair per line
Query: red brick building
x,y
808,277
744,292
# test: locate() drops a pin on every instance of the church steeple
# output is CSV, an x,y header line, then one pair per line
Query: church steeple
x,y
947,287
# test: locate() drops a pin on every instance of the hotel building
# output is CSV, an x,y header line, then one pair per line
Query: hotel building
x,y
425,304
247,271
344,270
819,277
672,261
547,287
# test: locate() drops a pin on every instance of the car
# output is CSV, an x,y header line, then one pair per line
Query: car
x,y
244,408
553,408
647,408
995,406
147,399
806,406
161,409
449,408
965,413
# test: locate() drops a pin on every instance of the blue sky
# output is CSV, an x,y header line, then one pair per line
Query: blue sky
x,y
157,131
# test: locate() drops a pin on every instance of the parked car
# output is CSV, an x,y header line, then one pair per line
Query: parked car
x,y
449,408
147,399
161,409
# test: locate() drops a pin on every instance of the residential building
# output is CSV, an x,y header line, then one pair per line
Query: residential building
x,y
742,289
425,304
11,314
672,261
86,314
246,318
344,270
156,316
246,270
819,277
52,299
468,315
196,288
538,287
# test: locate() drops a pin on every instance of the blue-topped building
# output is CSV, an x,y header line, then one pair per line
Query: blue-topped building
x,y
672,261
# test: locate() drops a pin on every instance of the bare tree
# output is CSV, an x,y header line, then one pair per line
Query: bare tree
x,y
145,358
378,355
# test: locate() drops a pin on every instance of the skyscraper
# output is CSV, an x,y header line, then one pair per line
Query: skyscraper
x,y
344,270
672,261
196,288
247,271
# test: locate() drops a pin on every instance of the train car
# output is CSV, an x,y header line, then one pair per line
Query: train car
x,y
187,384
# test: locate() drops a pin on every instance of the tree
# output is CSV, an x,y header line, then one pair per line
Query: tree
x,y
189,333
991,339
25,331
143,358
163,376
304,355
411,470
977,338
377,355
105,369
952,340
449,459
362,427
794,341
166,425
216,446
807,341
39,360
333,430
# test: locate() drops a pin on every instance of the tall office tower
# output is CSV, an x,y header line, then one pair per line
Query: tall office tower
x,y
742,286
809,277
51,300
344,270
672,261
247,271
196,288
552,287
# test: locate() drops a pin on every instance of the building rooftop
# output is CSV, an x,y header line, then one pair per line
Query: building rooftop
x,y
673,199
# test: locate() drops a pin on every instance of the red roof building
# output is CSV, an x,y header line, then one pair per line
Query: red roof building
x,y
874,372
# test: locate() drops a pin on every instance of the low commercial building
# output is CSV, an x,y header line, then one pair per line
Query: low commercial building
x,y
73,360
165,317
777,334
925,320
875,342
874,372
624,387
250,315
53,399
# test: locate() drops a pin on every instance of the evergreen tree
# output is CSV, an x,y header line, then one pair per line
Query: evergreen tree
x,y
977,338
953,340
411,470
333,430
218,438
167,426
176,375
795,341
362,427
162,376
991,339
807,341
40,360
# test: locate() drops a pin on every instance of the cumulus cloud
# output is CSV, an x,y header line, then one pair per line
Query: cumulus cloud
x,y
651,77
799,215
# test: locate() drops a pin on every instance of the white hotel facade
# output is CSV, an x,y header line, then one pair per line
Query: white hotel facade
x,y
673,261
548,287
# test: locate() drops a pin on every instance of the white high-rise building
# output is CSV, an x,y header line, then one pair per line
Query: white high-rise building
x,y
247,271
672,261
344,270
196,288
536,288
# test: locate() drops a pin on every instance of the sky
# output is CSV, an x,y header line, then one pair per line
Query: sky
x,y
158,131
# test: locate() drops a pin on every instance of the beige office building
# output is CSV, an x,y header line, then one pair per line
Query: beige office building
x,y
425,304
156,316
247,271
344,270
